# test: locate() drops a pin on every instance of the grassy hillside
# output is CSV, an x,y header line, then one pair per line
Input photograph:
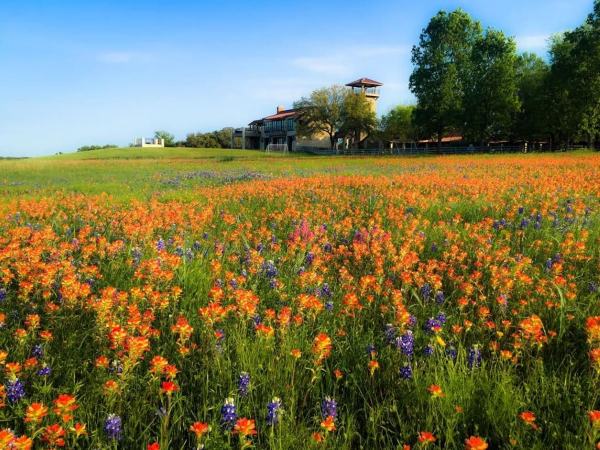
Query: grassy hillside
x,y
161,153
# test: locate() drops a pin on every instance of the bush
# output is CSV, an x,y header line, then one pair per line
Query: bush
x,y
87,148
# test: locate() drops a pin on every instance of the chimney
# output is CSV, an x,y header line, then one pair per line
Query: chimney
x,y
279,109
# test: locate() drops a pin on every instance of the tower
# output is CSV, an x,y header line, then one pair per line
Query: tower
x,y
371,90
369,87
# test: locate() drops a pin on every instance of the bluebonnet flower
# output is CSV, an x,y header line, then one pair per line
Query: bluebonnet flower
x,y
161,412
3,295
371,350
160,245
412,321
233,283
441,318
14,390
439,298
256,320
270,269
521,209
274,411
406,343
228,414
451,353
329,408
504,300
327,248
113,427
425,291
406,372
273,239
44,371
38,351
329,306
524,223
474,358
273,283
549,265
308,259
433,324
390,333
428,350
434,247
593,287
243,384
260,247
197,245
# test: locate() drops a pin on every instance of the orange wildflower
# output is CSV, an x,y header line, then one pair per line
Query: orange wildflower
x,y
22,443
200,429
529,419
328,424
475,443
426,437
245,427
168,387
436,391
35,412
594,417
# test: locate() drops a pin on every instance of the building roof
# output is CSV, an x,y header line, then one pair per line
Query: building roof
x,y
256,122
281,115
364,82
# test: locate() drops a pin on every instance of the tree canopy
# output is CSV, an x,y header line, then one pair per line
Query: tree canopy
x,y
334,109
168,138
442,60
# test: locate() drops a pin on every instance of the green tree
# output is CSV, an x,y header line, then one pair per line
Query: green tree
x,y
168,138
531,74
442,60
562,115
358,117
490,92
398,124
584,73
321,113
332,110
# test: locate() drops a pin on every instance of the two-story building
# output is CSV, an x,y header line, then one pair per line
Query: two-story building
x,y
280,128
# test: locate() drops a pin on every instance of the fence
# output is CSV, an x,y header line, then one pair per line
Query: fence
x,y
430,150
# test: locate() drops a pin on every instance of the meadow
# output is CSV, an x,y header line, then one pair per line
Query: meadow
x,y
212,299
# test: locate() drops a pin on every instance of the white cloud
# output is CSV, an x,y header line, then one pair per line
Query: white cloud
x,y
532,42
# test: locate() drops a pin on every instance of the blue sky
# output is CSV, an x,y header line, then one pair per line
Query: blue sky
x,y
77,73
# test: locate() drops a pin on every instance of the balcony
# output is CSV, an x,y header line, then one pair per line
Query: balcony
x,y
372,91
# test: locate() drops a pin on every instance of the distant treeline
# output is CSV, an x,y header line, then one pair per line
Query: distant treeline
x,y
87,148
470,81
213,139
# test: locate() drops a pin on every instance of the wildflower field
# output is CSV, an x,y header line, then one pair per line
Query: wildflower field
x,y
285,303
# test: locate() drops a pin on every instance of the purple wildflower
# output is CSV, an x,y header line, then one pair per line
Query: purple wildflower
x,y
243,384
329,408
228,413
274,411
113,427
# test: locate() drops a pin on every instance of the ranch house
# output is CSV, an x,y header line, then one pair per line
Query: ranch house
x,y
280,128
